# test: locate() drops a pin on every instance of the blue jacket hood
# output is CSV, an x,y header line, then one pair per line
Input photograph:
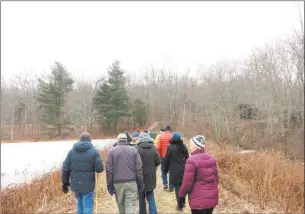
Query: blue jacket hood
x,y
82,146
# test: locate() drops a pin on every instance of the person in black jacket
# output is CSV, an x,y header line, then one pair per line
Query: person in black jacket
x,y
150,160
175,159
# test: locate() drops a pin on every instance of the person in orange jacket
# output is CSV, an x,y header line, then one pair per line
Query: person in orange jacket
x,y
161,145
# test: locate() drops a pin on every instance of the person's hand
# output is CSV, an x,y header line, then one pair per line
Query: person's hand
x,y
141,187
181,202
65,188
110,189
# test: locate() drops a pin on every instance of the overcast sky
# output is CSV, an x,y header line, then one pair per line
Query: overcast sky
x,y
87,36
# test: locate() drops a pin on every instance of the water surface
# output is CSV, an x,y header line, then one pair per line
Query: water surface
x,y
21,162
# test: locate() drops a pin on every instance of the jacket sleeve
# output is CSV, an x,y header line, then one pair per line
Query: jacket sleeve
x,y
98,163
158,145
109,168
157,159
139,172
168,158
66,169
188,178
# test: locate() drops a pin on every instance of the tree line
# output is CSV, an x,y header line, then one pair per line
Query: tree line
x,y
257,102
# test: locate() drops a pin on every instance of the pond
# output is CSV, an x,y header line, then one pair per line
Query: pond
x,y
21,162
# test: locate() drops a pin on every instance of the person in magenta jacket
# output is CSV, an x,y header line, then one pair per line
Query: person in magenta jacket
x,y
200,180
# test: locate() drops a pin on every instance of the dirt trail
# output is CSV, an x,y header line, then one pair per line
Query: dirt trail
x,y
165,201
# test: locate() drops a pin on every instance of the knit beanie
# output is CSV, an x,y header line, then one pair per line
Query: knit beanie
x,y
122,136
198,141
176,135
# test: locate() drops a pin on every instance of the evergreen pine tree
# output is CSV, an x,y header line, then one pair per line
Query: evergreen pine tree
x,y
102,105
51,98
111,98
140,112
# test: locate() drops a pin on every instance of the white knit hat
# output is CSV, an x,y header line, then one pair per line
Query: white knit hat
x,y
198,141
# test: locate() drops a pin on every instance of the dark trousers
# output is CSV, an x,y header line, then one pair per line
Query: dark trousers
x,y
177,189
204,211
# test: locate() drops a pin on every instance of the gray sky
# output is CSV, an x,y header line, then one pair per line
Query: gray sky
x,y
87,36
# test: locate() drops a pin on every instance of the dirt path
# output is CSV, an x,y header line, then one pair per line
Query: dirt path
x,y
165,201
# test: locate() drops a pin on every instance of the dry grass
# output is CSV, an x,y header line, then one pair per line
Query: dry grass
x,y
265,178
29,197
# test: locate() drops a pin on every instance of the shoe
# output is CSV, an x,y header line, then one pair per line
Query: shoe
x,y
179,208
171,190
165,186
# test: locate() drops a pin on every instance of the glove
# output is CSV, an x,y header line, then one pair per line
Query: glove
x,y
65,188
141,187
110,189
181,202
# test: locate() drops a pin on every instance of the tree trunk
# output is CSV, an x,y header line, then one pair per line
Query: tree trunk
x,y
13,123
184,110
114,127
59,130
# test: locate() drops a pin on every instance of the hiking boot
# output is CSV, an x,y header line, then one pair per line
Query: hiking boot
x,y
179,208
165,186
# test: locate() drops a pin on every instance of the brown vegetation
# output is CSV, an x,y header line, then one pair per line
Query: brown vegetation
x,y
265,179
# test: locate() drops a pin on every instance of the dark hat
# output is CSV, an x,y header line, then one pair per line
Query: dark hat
x,y
168,128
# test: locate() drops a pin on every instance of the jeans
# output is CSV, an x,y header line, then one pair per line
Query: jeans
x,y
204,211
164,176
85,202
151,202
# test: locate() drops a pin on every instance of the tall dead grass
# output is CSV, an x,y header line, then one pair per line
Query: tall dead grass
x,y
265,178
27,198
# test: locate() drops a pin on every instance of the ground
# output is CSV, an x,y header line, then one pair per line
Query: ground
x,y
165,201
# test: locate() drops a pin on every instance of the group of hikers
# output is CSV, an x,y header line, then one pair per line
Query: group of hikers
x,y
131,165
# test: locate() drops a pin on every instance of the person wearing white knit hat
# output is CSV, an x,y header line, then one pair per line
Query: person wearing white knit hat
x,y
197,142
200,179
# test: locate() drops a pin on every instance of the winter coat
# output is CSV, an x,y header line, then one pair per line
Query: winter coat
x,y
156,139
136,134
123,164
150,161
175,159
200,180
129,139
163,143
79,167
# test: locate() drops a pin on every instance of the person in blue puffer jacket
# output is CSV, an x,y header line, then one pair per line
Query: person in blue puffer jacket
x,y
78,172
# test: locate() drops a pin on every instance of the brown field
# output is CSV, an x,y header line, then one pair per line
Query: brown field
x,y
263,181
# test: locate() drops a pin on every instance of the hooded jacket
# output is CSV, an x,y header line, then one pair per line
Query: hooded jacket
x,y
123,164
200,180
176,156
80,165
150,161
